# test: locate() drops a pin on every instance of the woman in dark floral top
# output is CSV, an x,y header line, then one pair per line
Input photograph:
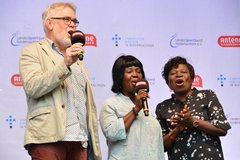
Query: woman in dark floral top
x,y
191,120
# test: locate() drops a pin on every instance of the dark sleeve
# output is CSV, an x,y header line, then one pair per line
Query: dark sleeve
x,y
215,111
162,121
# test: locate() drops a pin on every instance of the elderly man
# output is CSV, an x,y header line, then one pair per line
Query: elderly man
x,y
61,118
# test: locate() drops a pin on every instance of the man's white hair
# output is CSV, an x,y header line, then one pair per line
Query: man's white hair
x,y
51,10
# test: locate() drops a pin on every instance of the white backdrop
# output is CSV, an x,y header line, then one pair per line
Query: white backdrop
x,y
206,32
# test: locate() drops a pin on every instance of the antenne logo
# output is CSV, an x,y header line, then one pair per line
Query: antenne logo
x,y
91,40
116,39
221,79
229,41
10,120
16,80
197,82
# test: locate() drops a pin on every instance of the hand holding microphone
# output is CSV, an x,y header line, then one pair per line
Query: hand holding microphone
x,y
143,85
78,37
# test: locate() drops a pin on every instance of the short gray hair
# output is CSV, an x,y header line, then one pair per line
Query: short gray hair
x,y
53,8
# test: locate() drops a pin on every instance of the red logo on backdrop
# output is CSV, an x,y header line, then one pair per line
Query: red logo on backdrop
x,y
91,40
197,82
16,80
229,41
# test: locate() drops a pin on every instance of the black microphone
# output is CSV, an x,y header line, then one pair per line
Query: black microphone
x,y
143,84
78,37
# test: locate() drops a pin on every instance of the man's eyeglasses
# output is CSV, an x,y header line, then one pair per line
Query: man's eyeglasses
x,y
67,20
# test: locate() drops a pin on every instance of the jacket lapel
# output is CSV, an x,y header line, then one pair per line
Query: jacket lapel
x,y
47,48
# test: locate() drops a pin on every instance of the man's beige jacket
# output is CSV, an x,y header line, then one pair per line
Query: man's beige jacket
x,y
43,76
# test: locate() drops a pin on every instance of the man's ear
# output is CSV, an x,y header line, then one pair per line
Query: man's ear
x,y
49,24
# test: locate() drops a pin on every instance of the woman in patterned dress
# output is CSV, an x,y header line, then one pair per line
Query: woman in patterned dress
x,y
192,120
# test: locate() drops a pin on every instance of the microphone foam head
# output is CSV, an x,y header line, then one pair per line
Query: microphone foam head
x,y
141,84
77,37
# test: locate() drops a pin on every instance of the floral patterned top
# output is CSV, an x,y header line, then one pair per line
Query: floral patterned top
x,y
194,144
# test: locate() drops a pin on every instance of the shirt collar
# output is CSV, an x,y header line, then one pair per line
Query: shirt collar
x,y
54,47
189,97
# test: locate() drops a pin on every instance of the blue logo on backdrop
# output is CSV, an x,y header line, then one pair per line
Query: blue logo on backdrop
x,y
172,41
221,79
10,120
176,42
17,40
233,81
131,41
116,39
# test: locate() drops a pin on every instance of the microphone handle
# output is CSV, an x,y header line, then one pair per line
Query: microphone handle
x,y
145,107
80,56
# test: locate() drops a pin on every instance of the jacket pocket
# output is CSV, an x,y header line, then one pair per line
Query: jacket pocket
x,y
41,122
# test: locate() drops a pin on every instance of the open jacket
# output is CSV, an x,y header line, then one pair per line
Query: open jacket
x,y
43,76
